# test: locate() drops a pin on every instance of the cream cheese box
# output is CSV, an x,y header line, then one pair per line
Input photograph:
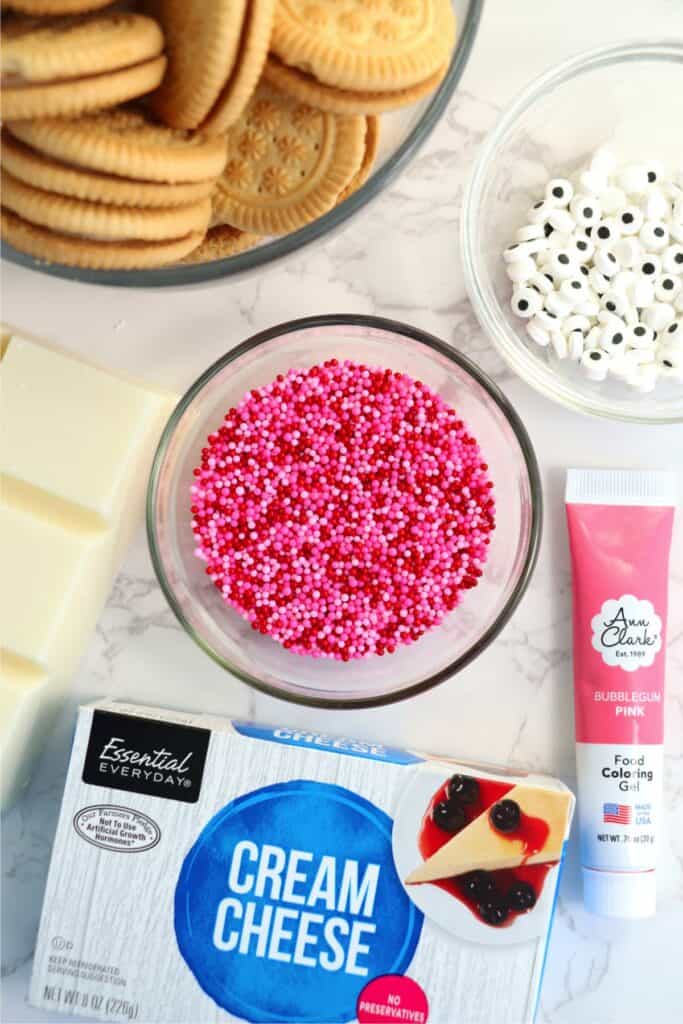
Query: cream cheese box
x,y
206,870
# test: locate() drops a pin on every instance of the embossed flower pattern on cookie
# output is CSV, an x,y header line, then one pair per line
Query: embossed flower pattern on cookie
x,y
306,119
276,181
253,144
265,115
291,149
238,173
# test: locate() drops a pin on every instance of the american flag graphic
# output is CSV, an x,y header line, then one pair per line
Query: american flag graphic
x,y
616,814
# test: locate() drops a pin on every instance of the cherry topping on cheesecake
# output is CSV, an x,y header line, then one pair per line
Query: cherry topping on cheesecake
x,y
449,816
497,897
463,788
494,910
505,816
522,896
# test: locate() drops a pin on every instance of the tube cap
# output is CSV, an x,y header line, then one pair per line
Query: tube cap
x,y
620,893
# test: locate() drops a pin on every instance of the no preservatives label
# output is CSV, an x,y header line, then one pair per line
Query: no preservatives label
x,y
627,633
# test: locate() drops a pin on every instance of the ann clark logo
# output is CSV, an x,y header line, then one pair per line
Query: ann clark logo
x,y
627,632
141,755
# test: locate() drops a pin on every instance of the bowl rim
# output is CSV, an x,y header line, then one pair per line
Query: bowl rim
x,y
263,256
489,386
521,359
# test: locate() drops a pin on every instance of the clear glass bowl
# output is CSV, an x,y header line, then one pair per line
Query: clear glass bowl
x,y
628,96
261,661
402,134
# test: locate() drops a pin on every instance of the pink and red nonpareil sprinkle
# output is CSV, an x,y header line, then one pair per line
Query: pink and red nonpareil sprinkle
x,y
343,510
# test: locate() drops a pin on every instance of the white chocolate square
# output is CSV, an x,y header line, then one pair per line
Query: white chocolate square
x,y
71,429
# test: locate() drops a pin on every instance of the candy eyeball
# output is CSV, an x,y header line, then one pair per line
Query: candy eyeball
x,y
543,283
615,302
574,290
585,209
526,302
667,287
583,246
654,171
630,220
606,262
548,321
539,212
673,334
650,267
613,338
641,337
595,364
559,191
563,264
672,259
668,369
606,232
654,235
674,356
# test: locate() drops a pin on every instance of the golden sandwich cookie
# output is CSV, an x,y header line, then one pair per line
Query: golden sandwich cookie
x,y
216,55
99,221
378,46
202,41
127,142
240,87
287,164
369,157
64,66
307,89
55,247
41,171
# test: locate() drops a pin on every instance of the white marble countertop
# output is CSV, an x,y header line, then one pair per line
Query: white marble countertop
x,y
399,258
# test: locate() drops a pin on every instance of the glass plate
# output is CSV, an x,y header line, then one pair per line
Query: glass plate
x,y
402,134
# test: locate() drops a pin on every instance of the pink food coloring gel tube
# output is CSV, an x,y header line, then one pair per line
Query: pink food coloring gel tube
x,y
620,524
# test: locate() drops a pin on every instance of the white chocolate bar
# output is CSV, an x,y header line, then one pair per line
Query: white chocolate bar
x,y
75,452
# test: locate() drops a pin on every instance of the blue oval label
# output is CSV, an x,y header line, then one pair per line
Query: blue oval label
x,y
289,903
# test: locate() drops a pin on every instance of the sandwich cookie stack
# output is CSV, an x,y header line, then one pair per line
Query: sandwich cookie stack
x,y
360,58
64,66
261,117
111,189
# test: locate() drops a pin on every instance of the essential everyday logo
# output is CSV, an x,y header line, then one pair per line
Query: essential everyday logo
x,y
289,903
627,633
141,755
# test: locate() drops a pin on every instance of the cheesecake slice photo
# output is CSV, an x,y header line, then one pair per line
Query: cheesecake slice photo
x,y
491,844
